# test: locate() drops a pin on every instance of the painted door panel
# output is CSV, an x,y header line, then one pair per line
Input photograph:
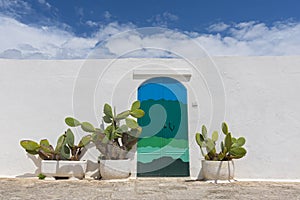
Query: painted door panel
x,y
163,145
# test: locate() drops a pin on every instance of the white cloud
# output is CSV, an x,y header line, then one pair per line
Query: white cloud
x,y
14,8
21,41
163,19
252,38
112,29
170,16
44,2
219,27
11,53
243,39
48,42
91,23
107,15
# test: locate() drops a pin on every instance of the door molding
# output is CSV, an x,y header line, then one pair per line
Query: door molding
x,y
179,74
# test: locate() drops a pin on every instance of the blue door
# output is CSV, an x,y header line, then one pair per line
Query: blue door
x,y
163,145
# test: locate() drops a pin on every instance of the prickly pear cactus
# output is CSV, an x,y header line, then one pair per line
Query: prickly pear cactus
x,y
208,143
107,140
231,148
64,150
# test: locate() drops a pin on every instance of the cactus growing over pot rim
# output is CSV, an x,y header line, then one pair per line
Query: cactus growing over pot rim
x,y
65,148
231,147
117,139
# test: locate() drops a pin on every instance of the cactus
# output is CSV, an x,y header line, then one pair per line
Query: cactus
x,y
231,148
205,142
224,128
64,150
116,140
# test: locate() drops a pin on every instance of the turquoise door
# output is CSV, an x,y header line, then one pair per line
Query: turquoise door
x,y
163,145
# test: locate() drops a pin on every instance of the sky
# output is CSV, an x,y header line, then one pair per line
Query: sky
x,y
72,29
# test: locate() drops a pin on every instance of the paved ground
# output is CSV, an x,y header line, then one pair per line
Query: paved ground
x,y
146,188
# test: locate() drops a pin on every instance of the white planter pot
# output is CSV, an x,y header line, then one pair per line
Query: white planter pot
x,y
64,168
115,169
217,170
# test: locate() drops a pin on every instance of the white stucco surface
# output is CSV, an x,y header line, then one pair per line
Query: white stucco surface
x,y
257,96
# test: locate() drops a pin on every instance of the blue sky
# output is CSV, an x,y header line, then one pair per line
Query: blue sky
x,y
70,29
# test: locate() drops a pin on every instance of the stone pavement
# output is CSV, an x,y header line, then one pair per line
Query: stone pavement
x,y
144,188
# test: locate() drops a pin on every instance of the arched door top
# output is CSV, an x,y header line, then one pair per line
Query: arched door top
x,y
174,90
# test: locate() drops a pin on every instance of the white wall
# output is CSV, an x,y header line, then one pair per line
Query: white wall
x,y
263,104
257,96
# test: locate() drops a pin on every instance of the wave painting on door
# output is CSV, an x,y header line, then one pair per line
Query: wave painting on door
x,y
163,145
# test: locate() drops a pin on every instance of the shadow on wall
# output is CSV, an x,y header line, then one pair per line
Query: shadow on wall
x,y
37,162
200,175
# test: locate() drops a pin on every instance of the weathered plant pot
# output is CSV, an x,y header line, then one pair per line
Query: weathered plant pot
x,y
115,169
64,168
217,170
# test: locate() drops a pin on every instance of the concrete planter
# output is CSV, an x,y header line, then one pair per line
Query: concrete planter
x,y
64,168
115,169
217,170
